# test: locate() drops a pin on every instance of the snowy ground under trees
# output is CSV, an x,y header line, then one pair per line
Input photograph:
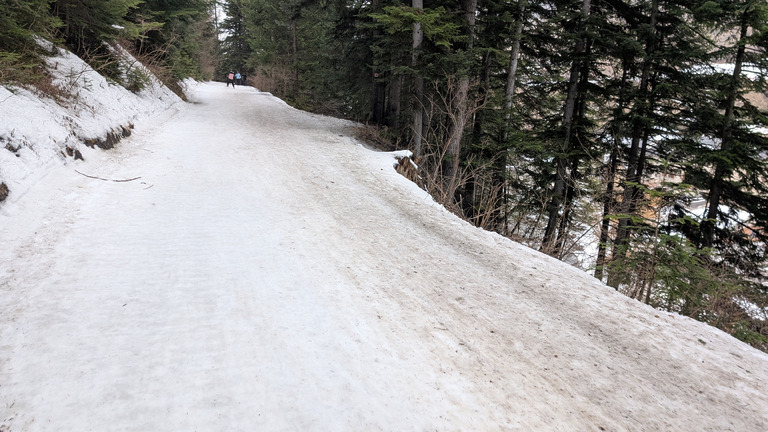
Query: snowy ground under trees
x,y
255,268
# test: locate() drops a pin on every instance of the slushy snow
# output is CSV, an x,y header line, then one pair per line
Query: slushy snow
x,y
239,265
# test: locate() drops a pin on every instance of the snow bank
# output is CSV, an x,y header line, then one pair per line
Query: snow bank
x,y
39,131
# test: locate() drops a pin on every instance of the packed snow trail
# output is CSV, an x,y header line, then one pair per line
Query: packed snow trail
x,y
267,273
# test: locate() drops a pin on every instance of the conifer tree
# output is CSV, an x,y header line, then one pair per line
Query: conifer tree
x,y
87,23
235,47
566,159
569,91
726,160
19,22
657,91
737,158
418,84
178,35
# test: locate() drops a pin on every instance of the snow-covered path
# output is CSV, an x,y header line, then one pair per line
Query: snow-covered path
x,y
266,273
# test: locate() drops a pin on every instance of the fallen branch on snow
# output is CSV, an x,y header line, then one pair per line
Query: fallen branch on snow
x,y
113,180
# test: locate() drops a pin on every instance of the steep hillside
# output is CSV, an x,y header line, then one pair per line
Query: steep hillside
x,y
56,122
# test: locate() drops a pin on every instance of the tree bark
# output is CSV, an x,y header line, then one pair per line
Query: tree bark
x,y
379,99
478,120
500,170
509,97
379,87
459,111
393,103
610,176
721,169
561,161
295,46
635,158
418,112
509,89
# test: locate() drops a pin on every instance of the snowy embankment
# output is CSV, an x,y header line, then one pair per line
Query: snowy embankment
x,y
43,129
246,266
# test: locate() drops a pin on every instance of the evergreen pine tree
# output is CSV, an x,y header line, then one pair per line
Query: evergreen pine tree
x,y
19,22
87,23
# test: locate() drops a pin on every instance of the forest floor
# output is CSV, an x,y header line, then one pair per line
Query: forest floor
x,y
247,266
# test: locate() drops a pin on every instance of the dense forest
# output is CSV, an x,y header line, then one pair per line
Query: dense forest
x,y
628,138
625,137
175,39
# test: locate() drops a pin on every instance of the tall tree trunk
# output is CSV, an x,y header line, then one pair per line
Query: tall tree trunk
x,y
555,205
608,200
295,46
216,18
610,174
635,160
570,190
459,108
500,171
477,194
393,103
483,89
568,199
379,99
379,87
721,169
418,111
509,88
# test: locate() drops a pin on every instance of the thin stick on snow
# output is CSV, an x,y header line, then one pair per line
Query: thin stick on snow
x,y
113,180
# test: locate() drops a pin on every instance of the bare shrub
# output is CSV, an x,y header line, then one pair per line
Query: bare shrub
x,y
407,168
440,168
13,68
278,80
374,137
151,61
44,86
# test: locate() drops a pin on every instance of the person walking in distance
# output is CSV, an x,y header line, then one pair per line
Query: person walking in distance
x,y
231,79
237,78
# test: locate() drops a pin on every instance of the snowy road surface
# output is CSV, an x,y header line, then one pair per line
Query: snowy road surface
x,y
266,273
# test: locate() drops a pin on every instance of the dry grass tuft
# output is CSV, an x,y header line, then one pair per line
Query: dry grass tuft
x,y
44,86
3,192
374,137
408,169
